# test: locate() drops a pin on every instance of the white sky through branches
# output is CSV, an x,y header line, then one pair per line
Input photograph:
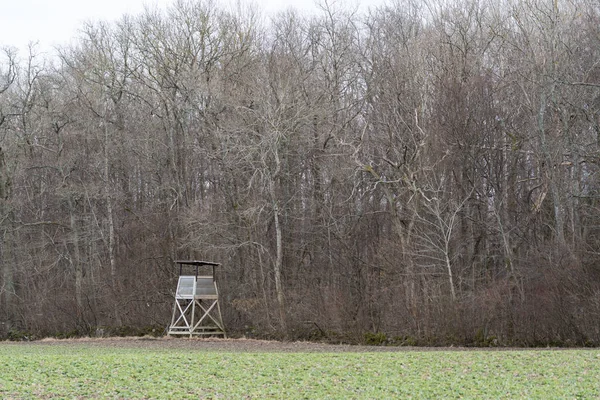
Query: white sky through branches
x,y
56,22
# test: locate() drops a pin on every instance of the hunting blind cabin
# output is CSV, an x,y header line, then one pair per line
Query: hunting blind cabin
x,y
197,310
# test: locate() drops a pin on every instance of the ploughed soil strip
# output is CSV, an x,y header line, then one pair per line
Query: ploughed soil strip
x,y
236,345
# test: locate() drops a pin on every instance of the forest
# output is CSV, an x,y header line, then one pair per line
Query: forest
x,y
426,172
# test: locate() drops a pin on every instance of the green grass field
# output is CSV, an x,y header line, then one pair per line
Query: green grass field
x,y
81,371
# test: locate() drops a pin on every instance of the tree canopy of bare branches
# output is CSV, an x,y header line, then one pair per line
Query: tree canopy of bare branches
x,y
426,170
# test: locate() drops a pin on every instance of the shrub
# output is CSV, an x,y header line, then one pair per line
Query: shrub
x,y
375,339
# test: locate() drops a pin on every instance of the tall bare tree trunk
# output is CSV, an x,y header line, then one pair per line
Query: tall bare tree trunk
x,y
551,172
111,226
75,259
278,260
7,290
450,273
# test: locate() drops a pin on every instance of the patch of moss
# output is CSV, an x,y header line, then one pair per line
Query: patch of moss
x,y
482,339
404,341
16,335
375,339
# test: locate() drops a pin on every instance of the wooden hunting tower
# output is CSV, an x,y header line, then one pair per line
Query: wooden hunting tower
x,y
197,311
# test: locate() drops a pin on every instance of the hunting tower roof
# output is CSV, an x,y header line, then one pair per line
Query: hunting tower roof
x,y
197,263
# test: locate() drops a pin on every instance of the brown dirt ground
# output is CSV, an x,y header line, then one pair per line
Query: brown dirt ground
x,y
232,345
207,344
